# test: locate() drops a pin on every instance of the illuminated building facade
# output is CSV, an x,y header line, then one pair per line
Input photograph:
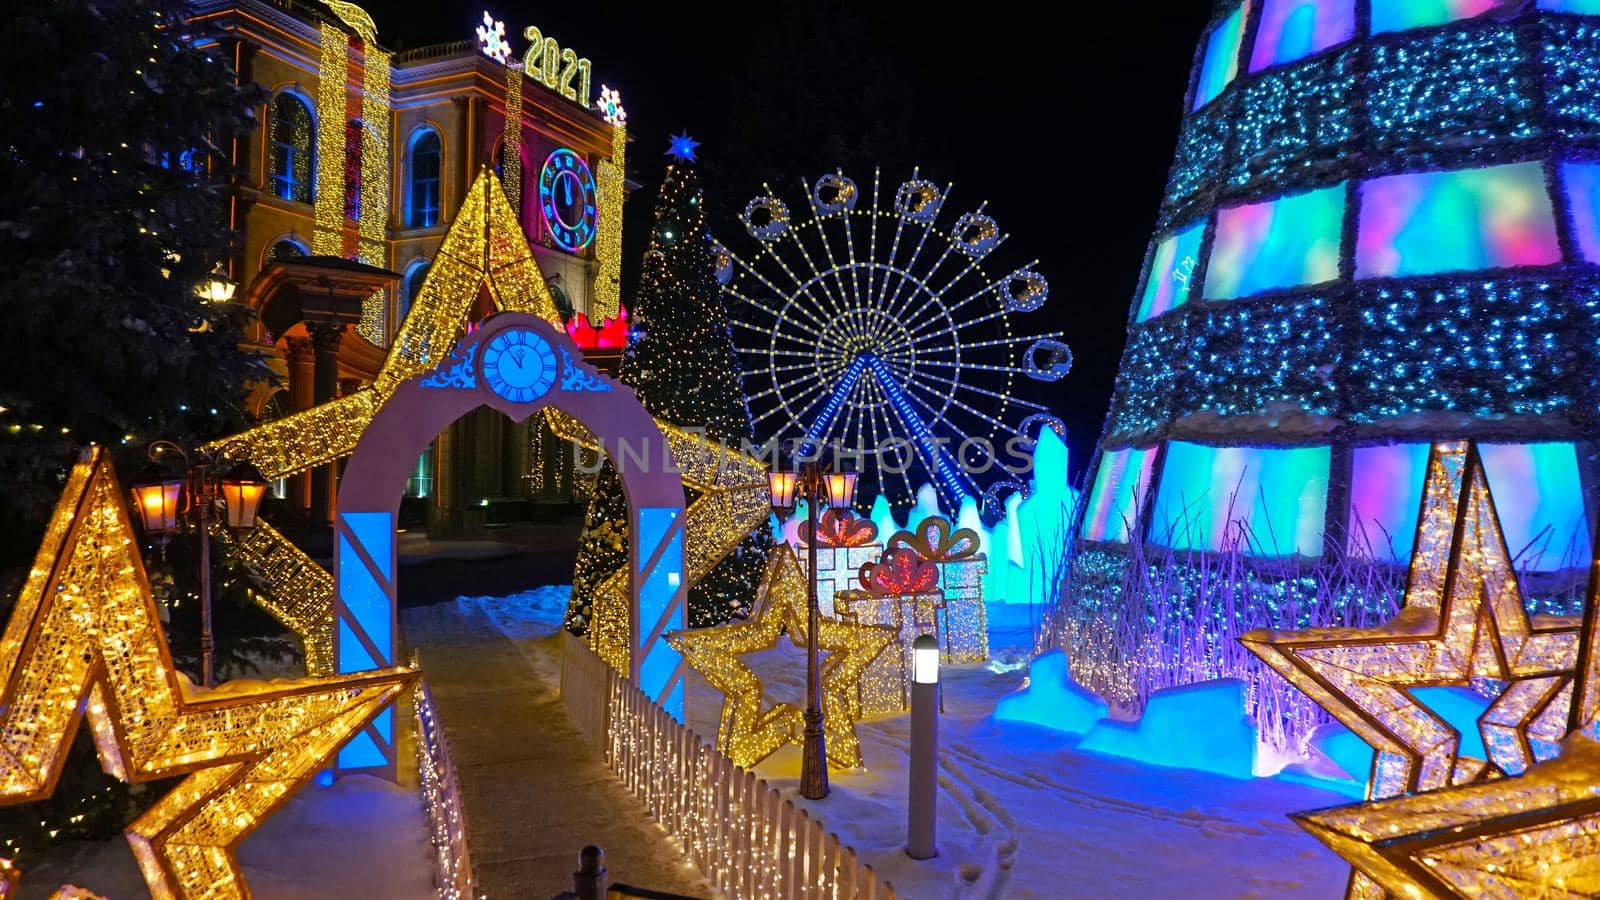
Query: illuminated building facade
x,y
365,155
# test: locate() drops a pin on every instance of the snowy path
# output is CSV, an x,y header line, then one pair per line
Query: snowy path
x,y
1022,814
534,793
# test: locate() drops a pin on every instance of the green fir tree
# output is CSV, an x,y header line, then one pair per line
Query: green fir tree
x,y
681,361
115,163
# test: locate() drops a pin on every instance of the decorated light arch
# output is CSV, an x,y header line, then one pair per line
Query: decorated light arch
x,y
485,250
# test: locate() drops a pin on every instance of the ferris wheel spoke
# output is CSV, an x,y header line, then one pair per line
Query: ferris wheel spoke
x,y
993,395
778,316
950,328
916,253
872,239
827,245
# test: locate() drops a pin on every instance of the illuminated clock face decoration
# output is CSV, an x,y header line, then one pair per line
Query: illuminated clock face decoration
x,y
566,193
519,365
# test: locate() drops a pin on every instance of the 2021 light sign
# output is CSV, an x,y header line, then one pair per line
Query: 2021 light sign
x,y
556,67
545,61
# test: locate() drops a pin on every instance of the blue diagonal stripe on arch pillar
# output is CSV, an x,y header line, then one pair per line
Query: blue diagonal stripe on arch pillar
x,y
661,581
364,559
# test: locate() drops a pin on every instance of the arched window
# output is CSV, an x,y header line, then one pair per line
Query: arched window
x,y
422,196
286,248
292,143
410,288
352,169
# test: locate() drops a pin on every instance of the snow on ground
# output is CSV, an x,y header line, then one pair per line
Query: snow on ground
x,y
361,836
1021,812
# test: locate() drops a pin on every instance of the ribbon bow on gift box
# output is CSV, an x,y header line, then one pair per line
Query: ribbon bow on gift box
x,y
839,528
935,541
899,572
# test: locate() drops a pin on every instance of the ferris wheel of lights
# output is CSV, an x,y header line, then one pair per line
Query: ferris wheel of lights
x,y
866,323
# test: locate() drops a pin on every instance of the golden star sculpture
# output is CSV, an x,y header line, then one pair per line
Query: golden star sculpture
x,y
484,250
1463,618
85,641
1534,835
745,732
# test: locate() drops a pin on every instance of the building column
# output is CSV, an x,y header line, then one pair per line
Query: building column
x,y
325,339
302,360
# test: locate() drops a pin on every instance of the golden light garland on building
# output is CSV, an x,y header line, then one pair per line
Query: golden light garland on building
x,y
85,641
485,247
327,230
373,226
611,190
511,138
746,733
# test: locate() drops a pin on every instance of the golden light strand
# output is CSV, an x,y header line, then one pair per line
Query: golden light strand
x,y
610,190
327,231
373,227
511,139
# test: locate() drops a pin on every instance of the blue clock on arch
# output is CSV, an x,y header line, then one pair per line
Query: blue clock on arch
x,y
519,365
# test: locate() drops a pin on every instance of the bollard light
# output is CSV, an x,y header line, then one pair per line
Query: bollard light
x,y
925,660
922,801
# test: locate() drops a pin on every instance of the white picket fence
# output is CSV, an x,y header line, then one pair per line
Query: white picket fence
x,y
746,838
436,770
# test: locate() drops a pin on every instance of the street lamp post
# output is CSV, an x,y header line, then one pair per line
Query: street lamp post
x,y
838,488
163,495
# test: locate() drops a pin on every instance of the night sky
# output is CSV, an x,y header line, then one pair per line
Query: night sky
x,y
1066,132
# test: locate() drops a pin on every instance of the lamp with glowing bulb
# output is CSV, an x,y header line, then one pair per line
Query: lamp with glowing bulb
x,y
837,489
164,495
216,288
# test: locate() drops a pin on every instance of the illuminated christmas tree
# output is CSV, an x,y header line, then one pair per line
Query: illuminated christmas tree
x,y
681,361
1381,229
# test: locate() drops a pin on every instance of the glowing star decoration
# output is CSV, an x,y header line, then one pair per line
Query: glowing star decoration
x,y
610,107
746,732
682,147
85,640
492,39
1536,835
485,249
1463,619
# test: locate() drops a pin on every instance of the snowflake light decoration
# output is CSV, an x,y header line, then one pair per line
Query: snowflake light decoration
x,y
610,107
492,39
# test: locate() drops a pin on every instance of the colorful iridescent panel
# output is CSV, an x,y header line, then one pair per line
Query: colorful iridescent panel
x,y
1399,15
1281,243
1385,496
1264,502
1119,486
1583,196
1222,56
1582,7
1427,222
1294,29
1539,495
1171,272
